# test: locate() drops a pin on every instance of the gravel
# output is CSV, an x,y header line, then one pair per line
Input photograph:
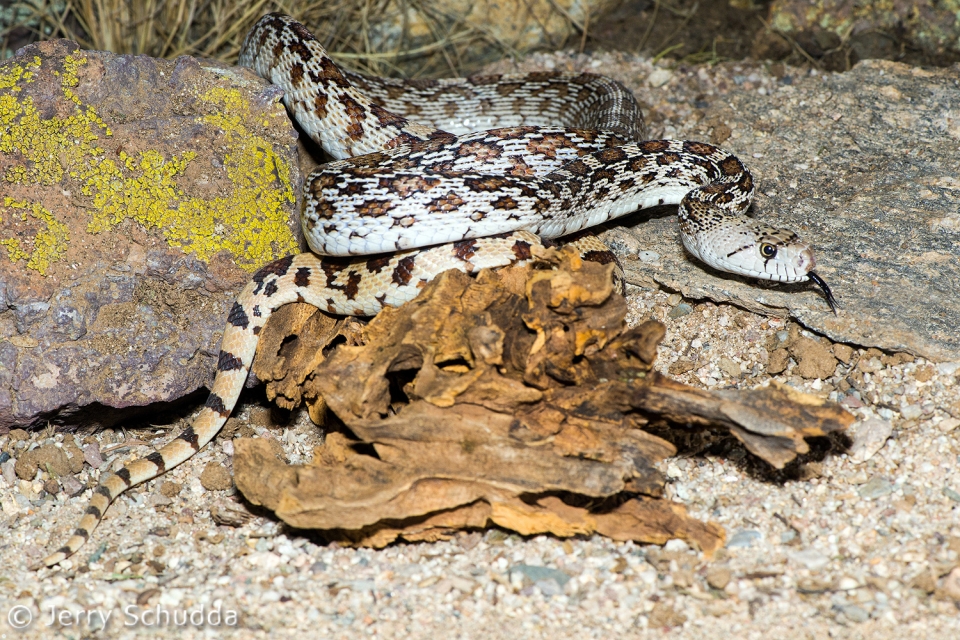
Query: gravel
x,y
843,549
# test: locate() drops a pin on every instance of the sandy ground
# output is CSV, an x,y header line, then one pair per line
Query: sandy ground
x,y
845,549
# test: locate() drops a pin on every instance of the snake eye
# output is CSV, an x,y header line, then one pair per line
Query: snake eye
x,y
767,250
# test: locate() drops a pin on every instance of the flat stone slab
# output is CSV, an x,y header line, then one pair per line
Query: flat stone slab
x,y
865,165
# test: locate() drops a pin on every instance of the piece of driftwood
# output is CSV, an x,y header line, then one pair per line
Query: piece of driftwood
x,y
518,398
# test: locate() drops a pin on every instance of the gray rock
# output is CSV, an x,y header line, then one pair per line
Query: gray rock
x,y
950,493
9,474
875,487
357,585
744,538
680,310
539,576
137,214
810,558
863,165
92,456
853,612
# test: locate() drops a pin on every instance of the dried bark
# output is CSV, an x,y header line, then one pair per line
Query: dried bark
x,y
517,399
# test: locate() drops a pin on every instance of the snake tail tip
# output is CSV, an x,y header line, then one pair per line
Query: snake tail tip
x,y
820,282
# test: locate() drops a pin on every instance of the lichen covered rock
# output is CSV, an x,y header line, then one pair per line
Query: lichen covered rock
x,y
138,194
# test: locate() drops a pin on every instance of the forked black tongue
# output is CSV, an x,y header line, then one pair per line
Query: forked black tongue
x,y
826,291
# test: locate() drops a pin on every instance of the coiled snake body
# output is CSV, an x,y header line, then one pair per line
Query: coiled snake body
x,y
407,174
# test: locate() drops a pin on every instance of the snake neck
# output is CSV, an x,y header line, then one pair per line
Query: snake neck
x,y
334,113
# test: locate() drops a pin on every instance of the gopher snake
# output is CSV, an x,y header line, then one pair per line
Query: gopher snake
x,y
397,184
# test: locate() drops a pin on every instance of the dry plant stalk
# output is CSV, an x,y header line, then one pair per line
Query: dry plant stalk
x,y
382,37
518,399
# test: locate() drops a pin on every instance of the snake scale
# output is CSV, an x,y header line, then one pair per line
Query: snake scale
x,y
477,170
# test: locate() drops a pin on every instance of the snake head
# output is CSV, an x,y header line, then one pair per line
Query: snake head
x,y
743,247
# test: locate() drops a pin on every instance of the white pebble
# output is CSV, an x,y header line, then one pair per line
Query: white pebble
x,y
810,558
648,256
659,77
848,584
910,412
676,544
948,368
869,437
949,425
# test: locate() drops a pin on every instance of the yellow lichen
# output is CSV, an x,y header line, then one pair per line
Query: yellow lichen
x,y
49,243
11,77
249,222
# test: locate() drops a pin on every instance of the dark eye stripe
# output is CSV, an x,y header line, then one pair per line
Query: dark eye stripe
x,y
745,247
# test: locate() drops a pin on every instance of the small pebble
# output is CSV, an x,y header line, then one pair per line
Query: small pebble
x,y
843,353
8,469
659,77
680,310
215,477
847,583
676,544
549,587
948,425
9,506
648,256
868,438
170,489
743,539
852,401
811,559
875,487
71,485
855,613
533,574
911,412
948,368
718,577
91,455
951,585
950,493
729,367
